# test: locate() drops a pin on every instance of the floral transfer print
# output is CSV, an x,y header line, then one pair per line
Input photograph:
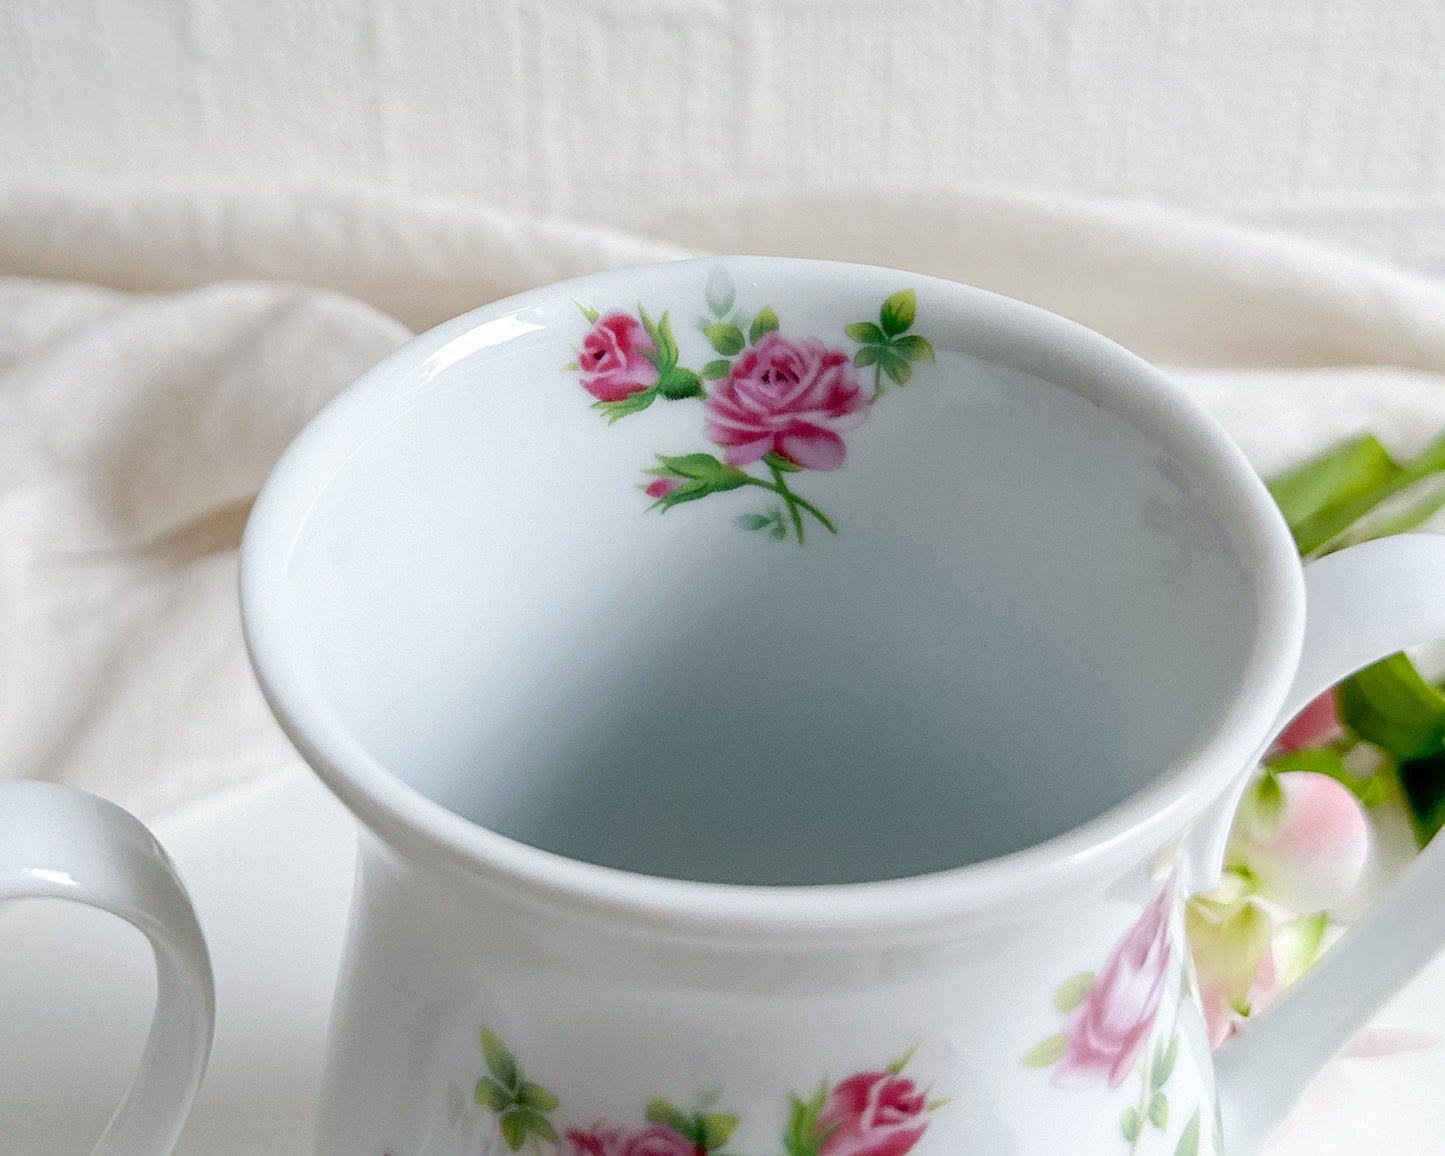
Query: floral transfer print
x,y
1112,1016
879,1113
771,399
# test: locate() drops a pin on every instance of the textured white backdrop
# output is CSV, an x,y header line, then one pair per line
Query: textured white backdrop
x,y
1323,118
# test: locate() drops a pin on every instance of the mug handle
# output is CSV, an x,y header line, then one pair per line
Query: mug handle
x,y
1362,604
60,843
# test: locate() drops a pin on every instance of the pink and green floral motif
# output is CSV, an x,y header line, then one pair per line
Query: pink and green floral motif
x,y
1112,1016
875,1113
774,400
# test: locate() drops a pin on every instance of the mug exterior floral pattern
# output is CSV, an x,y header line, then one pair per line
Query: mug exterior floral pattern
x,y
448,592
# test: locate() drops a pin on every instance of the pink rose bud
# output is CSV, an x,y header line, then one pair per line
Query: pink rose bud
x,y
792,398
662,487
873,1114
1112,1023
615,359
1317,724
1303,838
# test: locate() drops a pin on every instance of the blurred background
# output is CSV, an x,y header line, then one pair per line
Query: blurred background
x,y
1326,120
216,214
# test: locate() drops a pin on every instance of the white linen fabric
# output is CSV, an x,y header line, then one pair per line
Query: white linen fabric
x,y
158,350
1327,119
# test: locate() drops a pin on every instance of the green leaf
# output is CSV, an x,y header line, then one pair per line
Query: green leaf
x,y
1371,790
941,1102
778,462
537,1124
1164,1067
866,333
716,1127
659,1111
1129,1124
726,338
704,467
571,366
897,312
763,324
1072,991
678,383
499,1060
514,1129
492,1096
588,312
1326,496
868,355
1312,494
1189,1139
753,521
716,370
632,403
1159,1111
1423,784
914,348
1391,705
660,331
1049,1051
1406,509
719,292
801,1137
537,1097
894,366
897,1066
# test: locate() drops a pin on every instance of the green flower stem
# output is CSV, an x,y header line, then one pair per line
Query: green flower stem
x,y
789,497
1143,1108
794,501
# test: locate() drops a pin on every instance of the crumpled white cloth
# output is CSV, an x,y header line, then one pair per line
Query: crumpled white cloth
x,y
158,349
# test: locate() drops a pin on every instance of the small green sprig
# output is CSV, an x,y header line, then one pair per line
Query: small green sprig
x,y
887,345
521,1107
705,1130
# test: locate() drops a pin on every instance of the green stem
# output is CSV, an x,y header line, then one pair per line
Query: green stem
x,y
1143,1107
877,381
790,497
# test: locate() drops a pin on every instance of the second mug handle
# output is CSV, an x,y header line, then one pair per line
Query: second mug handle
x,y
60,843
1362,604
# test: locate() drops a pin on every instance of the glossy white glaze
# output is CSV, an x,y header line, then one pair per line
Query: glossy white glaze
x,y
453,590
60,843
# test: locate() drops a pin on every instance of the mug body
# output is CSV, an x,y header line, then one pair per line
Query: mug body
x,y
469,1024
784,702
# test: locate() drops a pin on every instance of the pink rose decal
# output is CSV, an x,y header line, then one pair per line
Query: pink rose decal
x,y
1113,1020
778,404
660,1140
661,487
872,1114
604,1138
608,1139
792,398
616,359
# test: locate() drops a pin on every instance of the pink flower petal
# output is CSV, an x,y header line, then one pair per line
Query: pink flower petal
x,y
813,448
1374,1042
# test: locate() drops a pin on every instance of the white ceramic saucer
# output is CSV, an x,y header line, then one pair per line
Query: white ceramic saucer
x,y
269,867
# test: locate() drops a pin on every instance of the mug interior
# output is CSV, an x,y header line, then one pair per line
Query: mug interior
x,y
1030,608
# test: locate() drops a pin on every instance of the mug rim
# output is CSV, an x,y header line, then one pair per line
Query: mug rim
x,y
909,907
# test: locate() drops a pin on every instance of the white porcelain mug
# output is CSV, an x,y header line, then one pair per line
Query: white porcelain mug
x,y
762,684
60,843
